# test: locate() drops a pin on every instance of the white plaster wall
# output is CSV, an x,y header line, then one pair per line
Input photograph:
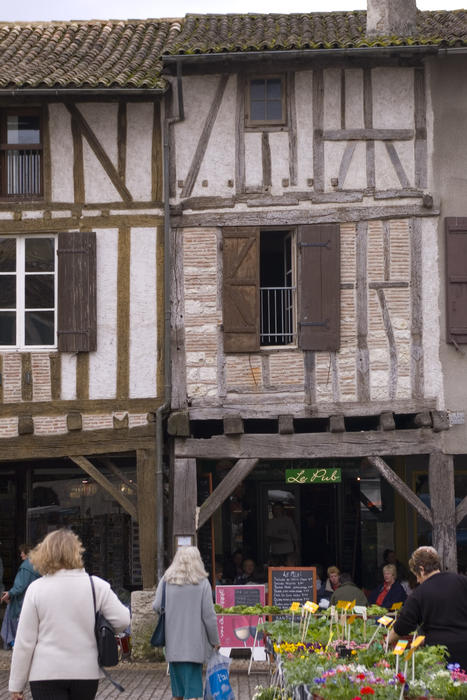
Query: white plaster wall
x,y
102,118
253,160
68,378
386,176
332,98
61,153
354,99
393,98
143,313
198,93
139,150
279,145
431,316
356,174
103,362
97,184
304,89
218,165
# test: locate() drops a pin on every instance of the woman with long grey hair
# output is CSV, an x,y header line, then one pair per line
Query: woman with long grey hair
x,y
190,621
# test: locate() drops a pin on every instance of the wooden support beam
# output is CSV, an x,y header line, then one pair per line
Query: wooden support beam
x,y
107,462
146,484
308,445
440,421
178,424
229,483
443,508
337,424
184,497
387,422
401,487
422,420
102,480
461,511
233,424
285,425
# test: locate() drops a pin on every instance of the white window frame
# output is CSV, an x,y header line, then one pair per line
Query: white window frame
x,y
20,292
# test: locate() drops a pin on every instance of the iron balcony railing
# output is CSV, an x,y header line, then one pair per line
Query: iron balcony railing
x,y
277,315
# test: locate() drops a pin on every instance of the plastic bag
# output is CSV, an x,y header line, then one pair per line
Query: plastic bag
x,y
217,686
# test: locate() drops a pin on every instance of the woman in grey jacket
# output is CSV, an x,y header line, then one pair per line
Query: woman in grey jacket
x,y
190,621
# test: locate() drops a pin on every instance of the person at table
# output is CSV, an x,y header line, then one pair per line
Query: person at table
x,y
390,591
331,584
248,575
438,606
348,591
389,557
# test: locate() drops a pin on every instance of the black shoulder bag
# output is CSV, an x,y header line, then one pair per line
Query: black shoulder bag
x,y
158,636
107,649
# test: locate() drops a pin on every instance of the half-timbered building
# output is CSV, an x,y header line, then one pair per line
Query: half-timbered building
x,y
81,289
309,190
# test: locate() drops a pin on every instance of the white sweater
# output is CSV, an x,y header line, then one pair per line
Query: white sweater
x,y
55,638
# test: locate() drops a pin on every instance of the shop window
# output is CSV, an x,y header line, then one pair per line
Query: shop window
x,y
281,288
21,153
48,300
265,102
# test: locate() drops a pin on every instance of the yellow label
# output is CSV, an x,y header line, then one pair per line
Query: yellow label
x,y
351,619
295,607
344,605
400,647
396,606
310,607
409,654
417,641
385,620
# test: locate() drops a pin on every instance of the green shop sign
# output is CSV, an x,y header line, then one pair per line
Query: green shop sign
x,y
313,476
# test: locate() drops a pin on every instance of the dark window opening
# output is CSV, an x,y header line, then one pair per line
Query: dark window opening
x,y
21,154
277,290
266,101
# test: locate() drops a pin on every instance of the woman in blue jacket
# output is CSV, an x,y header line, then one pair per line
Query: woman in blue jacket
x,y
390,591
15,596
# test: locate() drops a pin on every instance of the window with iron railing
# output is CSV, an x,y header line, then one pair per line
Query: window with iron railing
x,y
21,154
277,288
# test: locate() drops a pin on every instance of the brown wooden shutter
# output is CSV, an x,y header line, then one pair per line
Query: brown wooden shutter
x,y
456,280
241,289
77,323
319,287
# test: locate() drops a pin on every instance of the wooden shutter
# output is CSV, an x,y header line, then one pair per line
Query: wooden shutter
x,y
319,287
241,289
77,325
456,280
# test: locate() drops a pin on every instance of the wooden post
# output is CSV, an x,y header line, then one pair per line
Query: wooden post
x,y
184,498
146,488
443,508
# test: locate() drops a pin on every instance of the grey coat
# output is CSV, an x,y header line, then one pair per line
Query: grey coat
x,y
190,621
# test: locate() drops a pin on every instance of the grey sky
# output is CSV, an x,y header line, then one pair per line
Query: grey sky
x,y
36,10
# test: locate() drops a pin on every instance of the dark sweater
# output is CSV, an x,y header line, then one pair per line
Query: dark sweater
x,y
439,604
396,594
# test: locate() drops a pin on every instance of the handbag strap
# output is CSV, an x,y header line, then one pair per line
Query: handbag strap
x,y
163,598
104,671
93,594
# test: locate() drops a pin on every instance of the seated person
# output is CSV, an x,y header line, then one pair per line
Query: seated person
x,y
331,583
248,575
390,591
389,557
348,591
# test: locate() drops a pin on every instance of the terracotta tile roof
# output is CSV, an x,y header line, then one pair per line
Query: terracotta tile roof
x,y
96,54
317,30
127,53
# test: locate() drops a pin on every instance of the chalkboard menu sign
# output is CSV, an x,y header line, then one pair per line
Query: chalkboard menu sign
x,y
247,596
290,584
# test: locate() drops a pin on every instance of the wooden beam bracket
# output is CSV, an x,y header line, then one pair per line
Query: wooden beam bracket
x,y
102,480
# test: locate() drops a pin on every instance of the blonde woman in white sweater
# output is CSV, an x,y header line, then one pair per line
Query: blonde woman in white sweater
x,y
55,647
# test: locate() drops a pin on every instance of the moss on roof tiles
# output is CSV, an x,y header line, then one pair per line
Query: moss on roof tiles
x,y
128,54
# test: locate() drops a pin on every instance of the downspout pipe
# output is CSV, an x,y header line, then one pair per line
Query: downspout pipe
x,y
162,410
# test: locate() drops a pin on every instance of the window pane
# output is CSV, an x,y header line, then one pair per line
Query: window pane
x,y
23,128
274,110
274,89
258,112
7,255
7,291
7,328
39,292
23,172
39,328
39,255
257,90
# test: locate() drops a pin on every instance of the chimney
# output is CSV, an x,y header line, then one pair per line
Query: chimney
x,y
391,17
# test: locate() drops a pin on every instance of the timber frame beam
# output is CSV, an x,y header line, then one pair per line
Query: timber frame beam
x,y
229,483
102,480
308,445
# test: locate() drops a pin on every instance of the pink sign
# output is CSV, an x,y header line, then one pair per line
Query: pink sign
x,y
238,631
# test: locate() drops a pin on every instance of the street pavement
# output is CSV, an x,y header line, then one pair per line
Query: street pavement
x,y
150,681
